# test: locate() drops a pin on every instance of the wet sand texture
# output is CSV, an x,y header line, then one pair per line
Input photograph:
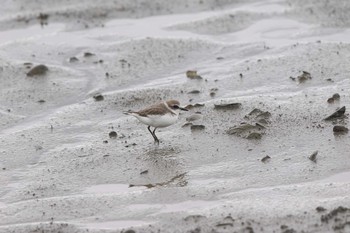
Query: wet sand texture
x,y
264,146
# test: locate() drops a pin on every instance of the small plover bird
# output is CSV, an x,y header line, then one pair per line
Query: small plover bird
x,y
158,115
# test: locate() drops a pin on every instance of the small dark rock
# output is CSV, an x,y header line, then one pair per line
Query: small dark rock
x,y
129,231
336,96
98,97
105,156
194,218
339,129
330,100
337,114
194,92
192,74
333,213
38,70
266,159
254,135
289,231
304,77
197,127
41,101
144,172
313,157
105,141
243,128
231,106
88,54
113,134
73,59
228,224
320,209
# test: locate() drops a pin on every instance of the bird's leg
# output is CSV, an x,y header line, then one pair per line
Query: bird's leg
x,y
155,137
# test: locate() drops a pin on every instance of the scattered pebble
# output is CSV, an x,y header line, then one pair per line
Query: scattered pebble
x,y
197,127
334,213
98,97
144,172
257,114
337,114
41,101
320,209
129,231
339,129
38,70
266,159
330,100
313,157
192,74
88,54
254,135
336,96
231,106
243,128
194,92
113,134
73,59
304,77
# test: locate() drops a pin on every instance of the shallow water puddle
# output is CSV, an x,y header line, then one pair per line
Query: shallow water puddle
x,y
33,32
188,205
112,188
115,224
343,177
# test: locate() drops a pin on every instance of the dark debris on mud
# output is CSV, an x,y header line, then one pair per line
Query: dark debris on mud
x,y
338,114
254,128
38,70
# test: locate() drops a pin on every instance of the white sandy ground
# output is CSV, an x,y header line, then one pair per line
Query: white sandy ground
x,y
60,171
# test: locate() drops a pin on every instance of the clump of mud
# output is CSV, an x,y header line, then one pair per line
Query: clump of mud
x,y
254,128
38,70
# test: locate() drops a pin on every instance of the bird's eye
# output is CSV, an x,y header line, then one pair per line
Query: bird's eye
x,y
175,106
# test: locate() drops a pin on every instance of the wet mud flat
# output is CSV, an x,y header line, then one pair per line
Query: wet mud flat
x,y
264,146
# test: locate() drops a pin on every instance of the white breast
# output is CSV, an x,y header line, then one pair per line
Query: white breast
x,y
158,121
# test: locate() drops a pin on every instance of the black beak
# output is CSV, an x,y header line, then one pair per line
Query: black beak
x,y
183,109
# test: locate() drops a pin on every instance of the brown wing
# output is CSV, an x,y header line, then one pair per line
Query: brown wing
x,y
152,111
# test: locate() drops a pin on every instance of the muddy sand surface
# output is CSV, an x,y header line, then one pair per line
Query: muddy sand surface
x,y
264,146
